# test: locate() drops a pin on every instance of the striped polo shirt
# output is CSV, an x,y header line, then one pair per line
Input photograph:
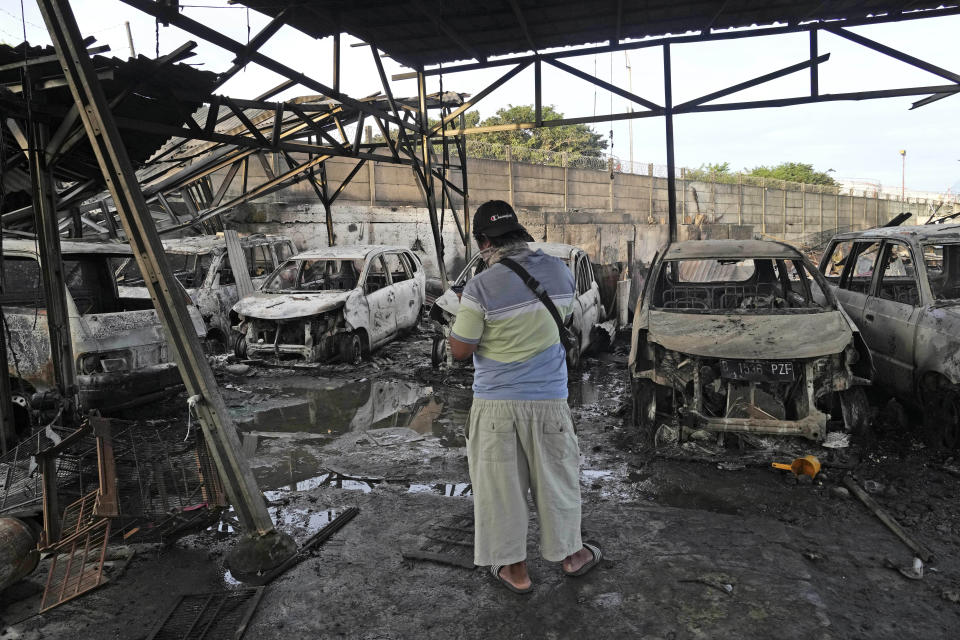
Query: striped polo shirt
x,y
519,356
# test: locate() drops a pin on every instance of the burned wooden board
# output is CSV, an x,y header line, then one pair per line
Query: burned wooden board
x,y
447,540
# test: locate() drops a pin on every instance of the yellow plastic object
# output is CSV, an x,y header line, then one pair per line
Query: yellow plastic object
x,y
807,466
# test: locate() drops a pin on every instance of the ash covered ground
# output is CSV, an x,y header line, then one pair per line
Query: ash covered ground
x,y
700,540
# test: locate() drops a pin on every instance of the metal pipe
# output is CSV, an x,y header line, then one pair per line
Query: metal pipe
x,y
671,169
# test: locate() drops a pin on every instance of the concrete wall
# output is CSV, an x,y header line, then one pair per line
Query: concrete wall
x,y
600,211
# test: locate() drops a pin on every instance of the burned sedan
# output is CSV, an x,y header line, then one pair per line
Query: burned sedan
x,y
335,302
901,285
743,336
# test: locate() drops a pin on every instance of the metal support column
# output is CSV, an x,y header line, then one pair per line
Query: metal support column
x,y
219,430
54,285
428,190
8,425
671,169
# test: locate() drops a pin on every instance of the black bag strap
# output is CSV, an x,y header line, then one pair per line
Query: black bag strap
x,y
541,294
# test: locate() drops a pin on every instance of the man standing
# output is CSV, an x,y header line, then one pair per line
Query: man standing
x,y
520,435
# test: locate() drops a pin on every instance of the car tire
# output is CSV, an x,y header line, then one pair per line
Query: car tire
x,y
573,354
438,354
351,348
855,409
240,347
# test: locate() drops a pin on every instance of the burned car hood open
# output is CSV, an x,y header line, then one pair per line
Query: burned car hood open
x,y
281,306
788,337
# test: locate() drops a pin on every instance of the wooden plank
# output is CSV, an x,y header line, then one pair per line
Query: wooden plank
x,y
238,263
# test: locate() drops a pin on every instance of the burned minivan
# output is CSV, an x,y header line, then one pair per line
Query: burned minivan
x,y
901,285
119,348
743,336
337,302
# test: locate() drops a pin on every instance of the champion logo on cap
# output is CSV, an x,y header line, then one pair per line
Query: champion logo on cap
x,y
501,217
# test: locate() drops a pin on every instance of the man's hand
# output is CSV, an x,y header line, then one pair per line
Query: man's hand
x,y
461,350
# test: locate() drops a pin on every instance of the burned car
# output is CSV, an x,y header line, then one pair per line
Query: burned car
x,y
203,267
588,310
120,351
901,285
743,336
335,302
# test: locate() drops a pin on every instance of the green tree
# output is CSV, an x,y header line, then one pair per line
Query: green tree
x,y
794,172
711,172
574,139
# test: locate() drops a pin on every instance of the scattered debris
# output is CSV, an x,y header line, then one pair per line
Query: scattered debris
x,y
720,583
918,549
77,564
836,440
805,466
311,543
222,614
238,369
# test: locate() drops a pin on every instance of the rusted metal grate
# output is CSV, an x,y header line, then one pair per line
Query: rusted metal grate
x,y
209,616
20,479
78,516
447,540
77,565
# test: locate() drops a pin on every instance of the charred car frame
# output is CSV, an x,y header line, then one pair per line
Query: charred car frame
x,y
743,336
335,302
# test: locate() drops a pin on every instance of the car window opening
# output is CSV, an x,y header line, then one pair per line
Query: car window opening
x,y
943,270
737,286
315,275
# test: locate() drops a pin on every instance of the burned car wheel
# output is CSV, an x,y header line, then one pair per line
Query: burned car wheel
x,y
240,347
438,354
351,348
855,409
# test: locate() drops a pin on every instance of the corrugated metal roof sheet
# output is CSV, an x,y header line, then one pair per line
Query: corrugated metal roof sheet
x,y
430,32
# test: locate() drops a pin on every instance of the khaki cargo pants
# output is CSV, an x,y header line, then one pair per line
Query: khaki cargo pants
x,y
516,446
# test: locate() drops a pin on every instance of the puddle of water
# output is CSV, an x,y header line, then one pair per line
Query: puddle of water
x,y
308,408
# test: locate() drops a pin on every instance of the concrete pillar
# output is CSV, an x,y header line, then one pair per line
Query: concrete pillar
x,y
803,210
509,155
650,207
784,187
565,160
763,205
821,209
610,188
683,193
740,198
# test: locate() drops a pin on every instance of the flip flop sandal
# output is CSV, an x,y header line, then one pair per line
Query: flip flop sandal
x,y
495,572
594,548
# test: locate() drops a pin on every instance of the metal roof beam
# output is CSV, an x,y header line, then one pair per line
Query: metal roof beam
x,y
800,66
656,42
623,93
213,36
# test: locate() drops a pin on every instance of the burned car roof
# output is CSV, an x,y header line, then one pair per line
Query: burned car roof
x,y
214,243
730,249
923,231
555,249
356,251
68,247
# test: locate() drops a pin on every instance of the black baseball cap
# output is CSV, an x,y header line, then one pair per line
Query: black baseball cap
x,y
495,218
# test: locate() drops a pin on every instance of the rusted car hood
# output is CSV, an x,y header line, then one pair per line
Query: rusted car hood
x,y
283,306
785,337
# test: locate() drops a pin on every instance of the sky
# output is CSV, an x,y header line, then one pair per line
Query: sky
x,y
857,140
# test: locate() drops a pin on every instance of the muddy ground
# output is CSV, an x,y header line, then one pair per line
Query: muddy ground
x,y
699,541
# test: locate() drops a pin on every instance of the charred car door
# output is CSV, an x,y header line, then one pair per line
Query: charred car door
x,y
890,317
856,282
407,302
380,299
